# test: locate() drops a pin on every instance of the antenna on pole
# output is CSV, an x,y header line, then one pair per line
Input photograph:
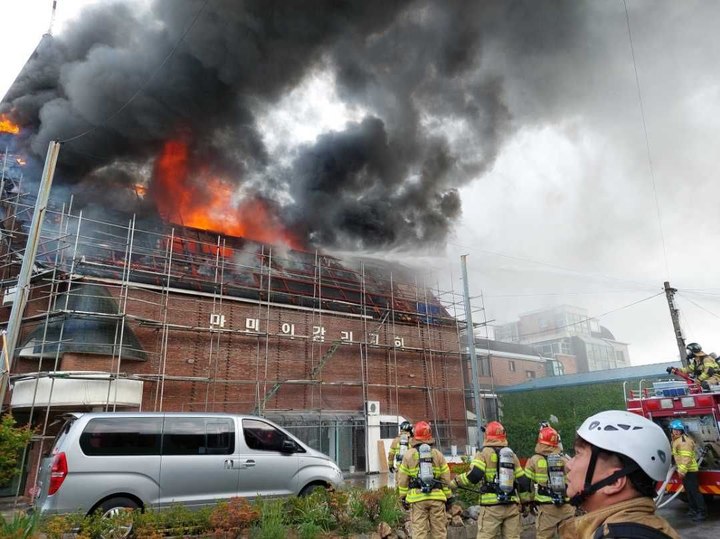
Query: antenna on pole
x,y
52,18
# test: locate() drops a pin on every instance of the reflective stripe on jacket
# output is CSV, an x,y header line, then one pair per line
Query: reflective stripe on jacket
x,y
700,366
486,461
409,470
683,450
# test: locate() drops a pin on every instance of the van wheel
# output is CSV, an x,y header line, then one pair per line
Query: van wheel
x,y
309,489
120,511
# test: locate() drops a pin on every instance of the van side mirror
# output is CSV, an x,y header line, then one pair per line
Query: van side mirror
x,y
288,446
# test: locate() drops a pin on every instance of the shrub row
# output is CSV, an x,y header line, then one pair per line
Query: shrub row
x,y
322,513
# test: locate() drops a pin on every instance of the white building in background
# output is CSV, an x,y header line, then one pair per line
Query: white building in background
x,y
564,331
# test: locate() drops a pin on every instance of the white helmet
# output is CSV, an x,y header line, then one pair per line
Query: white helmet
x,y
631,435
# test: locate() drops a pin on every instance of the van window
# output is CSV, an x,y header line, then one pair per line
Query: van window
x,y
262,436
61,435
198,436
115,436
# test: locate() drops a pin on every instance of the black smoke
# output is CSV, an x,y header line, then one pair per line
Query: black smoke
x,y
437,108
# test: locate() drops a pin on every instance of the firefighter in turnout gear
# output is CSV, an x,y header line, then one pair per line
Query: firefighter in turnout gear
x,y
701,366
546,472
619,458
503,485
399,446
683,451
423,478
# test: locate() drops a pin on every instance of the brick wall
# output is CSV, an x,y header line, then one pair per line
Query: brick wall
x,y
232,368
507,371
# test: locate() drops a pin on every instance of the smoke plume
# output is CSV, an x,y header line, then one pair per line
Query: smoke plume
x,y
431,74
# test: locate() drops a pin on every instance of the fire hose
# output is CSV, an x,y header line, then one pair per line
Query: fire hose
x,y
659,503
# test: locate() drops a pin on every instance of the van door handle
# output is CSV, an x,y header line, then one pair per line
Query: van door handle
x,y
249,463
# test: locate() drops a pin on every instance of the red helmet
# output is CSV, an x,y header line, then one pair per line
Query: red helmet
x,y
422,432
494,431
548,436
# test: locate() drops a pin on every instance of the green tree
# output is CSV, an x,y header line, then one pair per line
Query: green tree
x,y
13,441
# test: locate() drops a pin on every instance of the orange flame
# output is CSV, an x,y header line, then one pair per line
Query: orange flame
x,y
21,161
140,189
8,126
206,203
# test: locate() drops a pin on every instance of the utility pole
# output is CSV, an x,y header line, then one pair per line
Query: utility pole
x,y
675,317
23,283
471,348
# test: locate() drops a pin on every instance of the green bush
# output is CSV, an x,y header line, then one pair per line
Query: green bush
x,y
176,520
272,523
312,510
13,441
390,511
309,530
22,526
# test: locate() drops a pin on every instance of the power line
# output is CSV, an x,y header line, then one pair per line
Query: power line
x,y
645,286
147,81
647,143
699,306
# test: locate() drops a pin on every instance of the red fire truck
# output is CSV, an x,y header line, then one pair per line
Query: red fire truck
x,y
663,401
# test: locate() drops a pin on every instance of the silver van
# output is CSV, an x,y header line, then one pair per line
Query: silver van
x,y
110,461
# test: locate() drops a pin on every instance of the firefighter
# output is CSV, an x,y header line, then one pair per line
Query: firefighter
x,y
546,472
423,483
701,366
619,457
683,451
399,446
503,485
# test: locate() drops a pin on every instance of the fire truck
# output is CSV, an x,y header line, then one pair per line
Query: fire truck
x,y
665,400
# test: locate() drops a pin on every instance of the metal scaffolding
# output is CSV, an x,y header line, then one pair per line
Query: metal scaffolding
x,y
97,283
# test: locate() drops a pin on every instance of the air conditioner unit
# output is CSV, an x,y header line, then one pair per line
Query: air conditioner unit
x,y
372,407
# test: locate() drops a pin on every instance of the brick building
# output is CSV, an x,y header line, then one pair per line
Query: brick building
x,y
154,317
512,363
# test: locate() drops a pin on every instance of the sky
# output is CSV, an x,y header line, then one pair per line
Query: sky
x,y
570,157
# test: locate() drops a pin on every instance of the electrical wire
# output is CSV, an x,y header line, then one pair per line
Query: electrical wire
x,y
647,143
643,285
145,84
698,305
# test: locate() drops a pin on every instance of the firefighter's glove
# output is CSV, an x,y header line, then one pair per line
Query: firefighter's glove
x,y
393,469
405,504
670,370
449,503
711,371
452,485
